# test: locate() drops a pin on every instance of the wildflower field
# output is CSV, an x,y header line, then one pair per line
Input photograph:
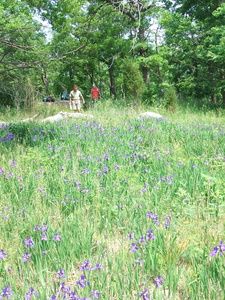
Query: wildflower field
x,y
113,208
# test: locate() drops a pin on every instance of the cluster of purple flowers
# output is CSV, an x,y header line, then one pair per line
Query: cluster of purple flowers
x,y
66,293
158,281
6,293
142,240
154,217
218,250
2,254
7,138
29,242
86,266
30,293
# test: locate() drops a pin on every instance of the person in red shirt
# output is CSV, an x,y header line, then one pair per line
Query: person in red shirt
x,y
95,94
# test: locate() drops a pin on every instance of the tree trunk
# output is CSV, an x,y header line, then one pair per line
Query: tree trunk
x,y
143,52
112,80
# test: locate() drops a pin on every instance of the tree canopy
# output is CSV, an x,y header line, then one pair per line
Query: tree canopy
x,y
134,49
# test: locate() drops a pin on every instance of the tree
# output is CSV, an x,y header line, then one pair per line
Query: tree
x,y
190,37
139,14
21,51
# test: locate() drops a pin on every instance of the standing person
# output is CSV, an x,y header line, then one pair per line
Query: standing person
x,y
95,94
75,99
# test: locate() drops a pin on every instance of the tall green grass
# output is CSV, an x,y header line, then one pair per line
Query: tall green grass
x,y
113,208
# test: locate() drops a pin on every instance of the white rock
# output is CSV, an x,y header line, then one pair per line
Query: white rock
x,y
64,115
149,114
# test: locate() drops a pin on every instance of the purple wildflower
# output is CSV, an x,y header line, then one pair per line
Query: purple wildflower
x,y
145,295
153,216
149,235
1,171
64,289
158,281
130,236
26,257
133,247
94,294
142,240
44,227
61,274
30,293
83,281
8,137
218,249
98,267
13,163
57,237
28,243
167,221
2,254
6,292
139,261
44,236
116,167
86,171
9,175
105,170
85,266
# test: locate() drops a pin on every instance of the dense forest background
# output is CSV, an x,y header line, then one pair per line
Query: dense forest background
x,y
143,51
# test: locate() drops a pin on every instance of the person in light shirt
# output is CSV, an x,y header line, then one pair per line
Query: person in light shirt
x,y
76,99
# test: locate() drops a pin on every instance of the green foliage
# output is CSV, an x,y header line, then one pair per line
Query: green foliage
x,y
132,80
170,98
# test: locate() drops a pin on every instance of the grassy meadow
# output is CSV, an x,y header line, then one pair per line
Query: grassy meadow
x,y
113,207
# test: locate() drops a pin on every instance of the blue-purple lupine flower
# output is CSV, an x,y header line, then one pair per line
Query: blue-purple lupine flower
x,y
28,242
139,261
145,295
94,294
57,237
86,171
83,281
7,138
64,290
60,274
30,293
26,257
1,171
158,281
13,163
97,267
6,293
153,216
218,250
44,236
142,240
9,175
133,247
2,254
150,235
85,266
130,236
116,167
167,221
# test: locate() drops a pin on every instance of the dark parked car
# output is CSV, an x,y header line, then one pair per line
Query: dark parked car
x,y
65,96
48,99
